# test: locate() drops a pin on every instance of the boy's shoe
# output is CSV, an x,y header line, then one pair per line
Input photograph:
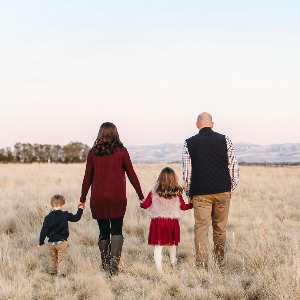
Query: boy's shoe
x,y
202,265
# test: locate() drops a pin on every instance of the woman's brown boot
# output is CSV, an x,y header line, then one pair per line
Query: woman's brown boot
x,y
116,250
104,247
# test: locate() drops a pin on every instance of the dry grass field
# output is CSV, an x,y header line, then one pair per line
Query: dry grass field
x,y
263,241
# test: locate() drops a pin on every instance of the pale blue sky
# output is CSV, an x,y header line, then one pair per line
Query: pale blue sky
x,y
150,68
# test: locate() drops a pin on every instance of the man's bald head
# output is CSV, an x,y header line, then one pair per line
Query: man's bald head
x,y
204,120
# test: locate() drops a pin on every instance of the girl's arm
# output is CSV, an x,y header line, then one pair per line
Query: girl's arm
x,y
147,202
183,205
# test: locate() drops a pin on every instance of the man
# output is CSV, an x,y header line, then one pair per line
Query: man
x,y
210,174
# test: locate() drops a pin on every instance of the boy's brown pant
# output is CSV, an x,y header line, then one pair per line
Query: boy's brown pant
x,y
210,208
58,258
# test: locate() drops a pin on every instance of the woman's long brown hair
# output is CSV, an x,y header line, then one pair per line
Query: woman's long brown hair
x,y
108,140
168,186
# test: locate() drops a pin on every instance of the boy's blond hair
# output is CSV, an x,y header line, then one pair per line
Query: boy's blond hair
x,y
57,200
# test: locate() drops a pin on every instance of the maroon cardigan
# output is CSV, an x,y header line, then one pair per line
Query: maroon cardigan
x,y
106,175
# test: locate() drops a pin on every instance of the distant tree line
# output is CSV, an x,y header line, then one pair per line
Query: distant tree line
x,y
74,152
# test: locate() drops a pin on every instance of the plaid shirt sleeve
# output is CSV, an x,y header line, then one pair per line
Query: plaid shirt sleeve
x,y
233,165
186,169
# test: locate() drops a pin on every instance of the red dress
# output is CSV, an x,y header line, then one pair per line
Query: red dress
x,y
106,176
164,231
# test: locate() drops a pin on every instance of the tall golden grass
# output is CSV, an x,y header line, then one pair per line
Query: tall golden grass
x,y
262,249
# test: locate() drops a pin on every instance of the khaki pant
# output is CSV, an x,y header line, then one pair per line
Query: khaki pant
x,y
58,258
212,208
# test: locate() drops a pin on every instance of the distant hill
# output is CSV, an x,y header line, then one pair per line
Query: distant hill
x,y
271,153
156,153
247,153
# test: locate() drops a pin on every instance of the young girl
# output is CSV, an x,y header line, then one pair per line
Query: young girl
x,y
164,202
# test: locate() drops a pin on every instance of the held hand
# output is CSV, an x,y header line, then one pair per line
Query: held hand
x,y
81,205
142,201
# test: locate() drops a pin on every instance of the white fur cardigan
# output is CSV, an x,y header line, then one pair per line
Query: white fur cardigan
x,y
164,208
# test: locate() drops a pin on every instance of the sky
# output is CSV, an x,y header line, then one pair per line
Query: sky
x,y
149,67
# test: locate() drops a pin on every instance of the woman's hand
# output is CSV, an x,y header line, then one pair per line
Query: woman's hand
x,y
81,205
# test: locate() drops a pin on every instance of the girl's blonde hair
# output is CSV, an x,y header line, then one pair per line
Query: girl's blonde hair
x,y
167,184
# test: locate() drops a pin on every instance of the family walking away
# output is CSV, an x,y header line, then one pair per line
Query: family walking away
x,y
165,202
55,227
106,165
210,174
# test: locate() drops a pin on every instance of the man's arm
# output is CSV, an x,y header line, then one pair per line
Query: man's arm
x,y
233,165
186,169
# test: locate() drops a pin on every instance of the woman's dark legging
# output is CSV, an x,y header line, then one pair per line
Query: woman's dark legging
x,y
109,227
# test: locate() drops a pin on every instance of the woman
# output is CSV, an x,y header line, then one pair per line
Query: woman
x,y
106,165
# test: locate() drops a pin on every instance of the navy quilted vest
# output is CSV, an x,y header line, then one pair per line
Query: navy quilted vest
x,y
208,152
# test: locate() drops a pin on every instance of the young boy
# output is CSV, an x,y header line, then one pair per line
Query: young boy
x,y
56,228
